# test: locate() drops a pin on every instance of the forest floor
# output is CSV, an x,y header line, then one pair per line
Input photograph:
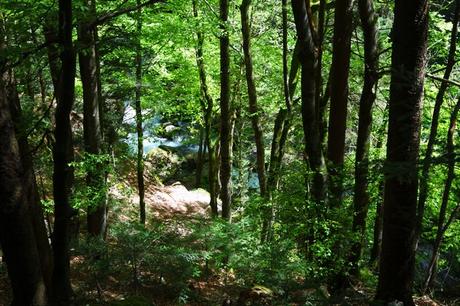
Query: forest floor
x,y
174,203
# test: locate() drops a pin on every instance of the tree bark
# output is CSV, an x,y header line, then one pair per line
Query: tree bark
x,y
225,114
341,51
51,38
434,124
371,66
92,132
207,106
252,96
139,119
30,185
63,155
409,37
200,158
17,233
309,63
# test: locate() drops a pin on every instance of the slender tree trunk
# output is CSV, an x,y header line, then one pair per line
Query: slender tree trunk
x,y
424,179
378,222
319,73
225,115
254,115
207,106
52,39
200,158
376,248
276,153
409,37
371,64
63,155
442,225
341,51
17,233
96,218
309,62
252,96
139,128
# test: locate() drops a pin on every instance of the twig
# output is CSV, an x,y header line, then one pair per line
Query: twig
x,y
437,78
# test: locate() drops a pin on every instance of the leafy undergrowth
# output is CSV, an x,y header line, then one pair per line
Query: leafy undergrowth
x,y
189,259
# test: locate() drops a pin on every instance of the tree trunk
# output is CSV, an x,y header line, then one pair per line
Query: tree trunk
x,y
97,217
225,114
376,248
207,106
424,179
200,158
52,39
309,62
371,64
139,128
341,51
252,96
442,225
17,232
406,93
63,155
30,185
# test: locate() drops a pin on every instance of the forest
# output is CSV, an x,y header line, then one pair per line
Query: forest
x,y
229,152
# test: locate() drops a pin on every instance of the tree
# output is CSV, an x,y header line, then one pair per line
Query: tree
x,y
139,127
63,156
97,212
371,64
409,38
17,214
225,115
252,96
341,51
309,63
207,104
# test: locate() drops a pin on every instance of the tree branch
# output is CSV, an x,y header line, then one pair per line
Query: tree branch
x,y
437,78
104,18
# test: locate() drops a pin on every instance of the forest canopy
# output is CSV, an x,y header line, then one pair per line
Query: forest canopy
x,y
229,152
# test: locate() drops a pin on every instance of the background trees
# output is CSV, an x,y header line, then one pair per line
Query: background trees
x,y
231,97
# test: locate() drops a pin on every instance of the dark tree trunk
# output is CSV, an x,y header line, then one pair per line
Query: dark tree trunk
x,y
442,224
139,119
30,185
225,115
424,179
371,64
406,93
17,232
52,39
63,155
319,73
341,51
97,217
309,62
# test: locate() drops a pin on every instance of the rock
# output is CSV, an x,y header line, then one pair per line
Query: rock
x,y
257,295
176,199
162,164
168,130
